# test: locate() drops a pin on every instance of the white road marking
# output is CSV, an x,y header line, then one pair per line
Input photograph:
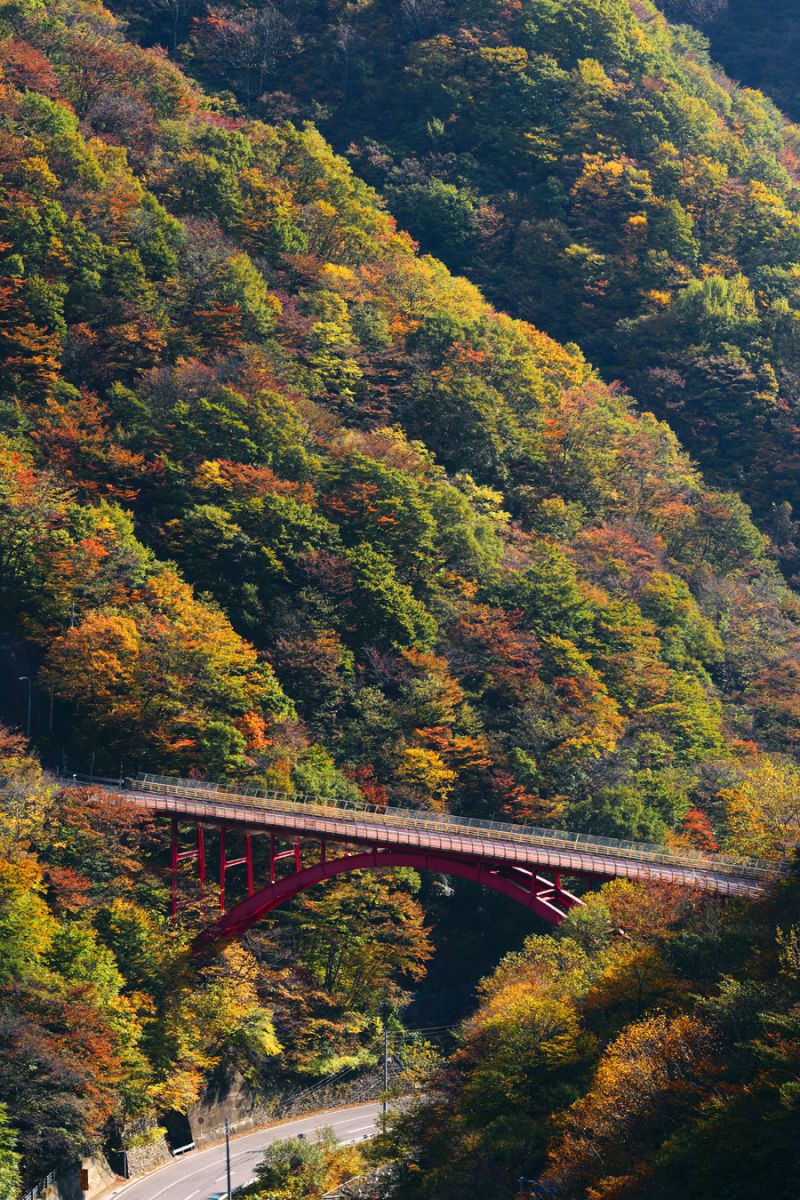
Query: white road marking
x,y
175,1183
339,1121
166,1189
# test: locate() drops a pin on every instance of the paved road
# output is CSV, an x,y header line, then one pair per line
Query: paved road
x,y
201,1173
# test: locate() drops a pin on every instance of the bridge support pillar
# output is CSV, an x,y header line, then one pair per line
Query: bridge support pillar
x,y
248,852
177,856
276,855
223,867
201,856
174,868
226,863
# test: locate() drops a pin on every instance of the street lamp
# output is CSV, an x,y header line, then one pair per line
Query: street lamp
x,y
25,679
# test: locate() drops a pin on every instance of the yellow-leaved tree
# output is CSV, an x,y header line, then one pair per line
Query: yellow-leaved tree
x,y
763,808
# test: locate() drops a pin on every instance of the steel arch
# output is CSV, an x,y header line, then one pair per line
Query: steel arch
x,y
544,897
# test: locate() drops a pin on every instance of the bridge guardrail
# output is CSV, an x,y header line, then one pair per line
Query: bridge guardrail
x,y
458,826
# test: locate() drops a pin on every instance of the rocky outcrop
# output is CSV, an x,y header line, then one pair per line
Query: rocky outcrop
x,y
379,1184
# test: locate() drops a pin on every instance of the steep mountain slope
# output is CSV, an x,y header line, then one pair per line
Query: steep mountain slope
x,y
757,44
481,580
625,1068
281,499
582,162
108,1023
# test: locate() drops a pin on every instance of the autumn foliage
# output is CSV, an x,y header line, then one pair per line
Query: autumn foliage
x,y
285,502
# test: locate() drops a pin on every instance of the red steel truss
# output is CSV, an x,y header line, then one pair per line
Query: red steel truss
x,y
544,896
521,862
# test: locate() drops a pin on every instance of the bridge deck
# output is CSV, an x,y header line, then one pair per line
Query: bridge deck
x,y
483,841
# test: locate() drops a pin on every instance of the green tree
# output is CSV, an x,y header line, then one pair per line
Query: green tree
x,y
10,1160
295,1169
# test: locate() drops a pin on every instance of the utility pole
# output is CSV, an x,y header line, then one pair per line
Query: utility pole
x,y
26,679
228,1154
385,1070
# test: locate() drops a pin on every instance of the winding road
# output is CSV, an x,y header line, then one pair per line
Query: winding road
x,y
200,1174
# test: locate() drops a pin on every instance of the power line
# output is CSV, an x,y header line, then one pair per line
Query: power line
x,y
424,1029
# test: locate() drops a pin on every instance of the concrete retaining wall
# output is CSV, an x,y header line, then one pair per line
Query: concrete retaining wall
x,y
147,1157
230,1097
225,1096
68,1182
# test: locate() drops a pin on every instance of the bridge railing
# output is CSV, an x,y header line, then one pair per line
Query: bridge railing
x,y
412,819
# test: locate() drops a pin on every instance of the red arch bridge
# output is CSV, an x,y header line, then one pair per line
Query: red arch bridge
x,y
288,843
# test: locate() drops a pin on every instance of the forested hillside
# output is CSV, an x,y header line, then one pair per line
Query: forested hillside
x,y
107,1023
664,1065
758,44
585,164
283,499
429,549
